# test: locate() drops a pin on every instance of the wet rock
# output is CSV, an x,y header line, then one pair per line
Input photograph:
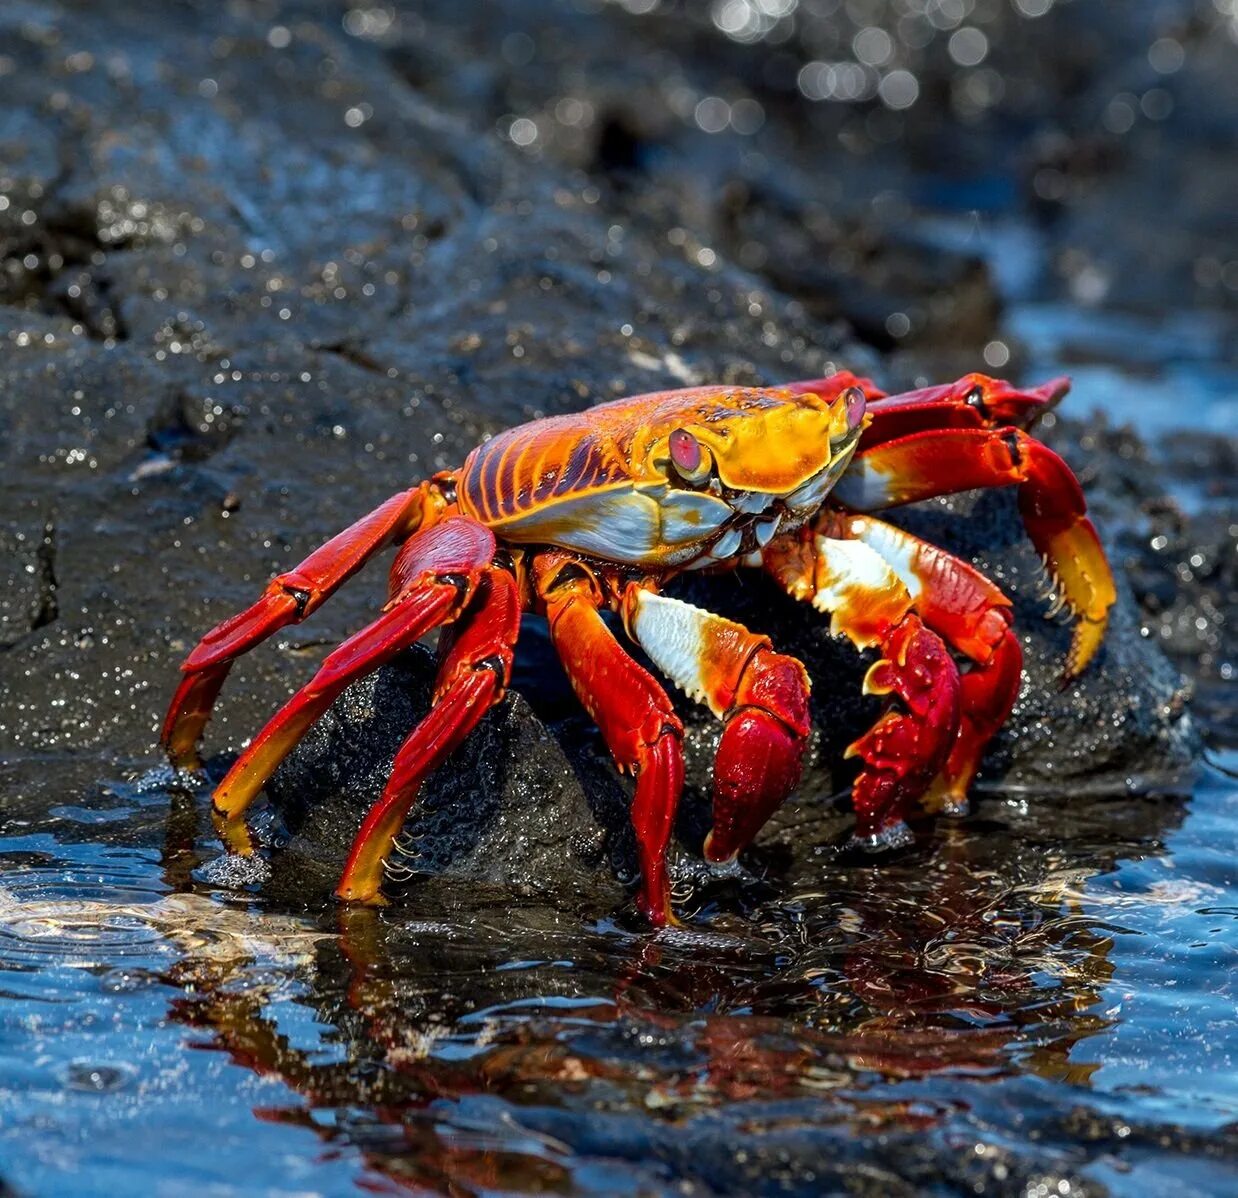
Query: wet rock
x,y
231,328
508,810
542,812
894,287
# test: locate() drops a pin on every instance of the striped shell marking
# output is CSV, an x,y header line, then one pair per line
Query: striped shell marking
x,y
535,465
602,481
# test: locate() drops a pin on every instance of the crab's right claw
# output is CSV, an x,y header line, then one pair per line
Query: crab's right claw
x,y
946,461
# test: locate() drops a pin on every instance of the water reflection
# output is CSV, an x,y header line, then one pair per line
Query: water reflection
x,y
971,1014
462,1050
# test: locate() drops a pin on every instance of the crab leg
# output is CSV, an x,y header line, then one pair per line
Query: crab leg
x,y
1050,500
973,617
974,401
832,386
439,568
473,675
870,605
288,599
636,719
762,697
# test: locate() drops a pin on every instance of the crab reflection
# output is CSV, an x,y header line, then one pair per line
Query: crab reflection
x,y
491,1049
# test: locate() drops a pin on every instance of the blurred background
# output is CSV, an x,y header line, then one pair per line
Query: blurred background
x,y
264,263
1024,183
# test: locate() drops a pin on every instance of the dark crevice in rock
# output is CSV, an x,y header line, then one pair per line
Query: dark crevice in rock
x,y
46,608
620,149
192,428
56,266
357,356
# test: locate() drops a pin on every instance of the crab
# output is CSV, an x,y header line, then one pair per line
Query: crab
x,y
571,516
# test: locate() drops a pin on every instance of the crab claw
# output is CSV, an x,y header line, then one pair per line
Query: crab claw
x,y
760,695
946,461
975,402
999,402
994,401
906,747
757,766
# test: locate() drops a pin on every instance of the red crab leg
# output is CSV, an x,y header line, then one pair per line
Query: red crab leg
x,y
637,721
832,386
974,401
973,616
288,599
762,697
1050,501
869,604
440,567
476,663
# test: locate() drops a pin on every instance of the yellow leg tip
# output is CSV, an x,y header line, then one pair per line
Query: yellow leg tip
x,y
361,896
234,833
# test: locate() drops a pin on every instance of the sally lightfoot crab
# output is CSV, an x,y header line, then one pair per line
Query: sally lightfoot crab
x,y
574,515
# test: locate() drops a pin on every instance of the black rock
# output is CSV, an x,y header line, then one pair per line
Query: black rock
x,y
542,812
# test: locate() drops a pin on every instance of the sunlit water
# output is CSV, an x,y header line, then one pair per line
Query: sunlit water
x,y
1033,998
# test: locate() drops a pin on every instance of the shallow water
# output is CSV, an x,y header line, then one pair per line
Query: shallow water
x,y
1039,999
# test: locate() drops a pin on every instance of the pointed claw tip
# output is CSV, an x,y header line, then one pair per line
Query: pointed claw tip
x,y
1085,643
1052,391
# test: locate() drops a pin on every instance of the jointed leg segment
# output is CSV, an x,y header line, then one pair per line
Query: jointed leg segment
x,y
443,565
636,719
474,670
288,599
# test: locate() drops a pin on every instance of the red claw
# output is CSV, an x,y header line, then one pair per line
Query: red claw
x,y
909,744
945,461
974,401
758,764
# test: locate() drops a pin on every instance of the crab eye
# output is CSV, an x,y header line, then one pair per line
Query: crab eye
x,y
854,405
686,453
975,399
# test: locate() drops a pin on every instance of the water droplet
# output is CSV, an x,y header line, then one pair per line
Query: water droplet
x,y
103,1078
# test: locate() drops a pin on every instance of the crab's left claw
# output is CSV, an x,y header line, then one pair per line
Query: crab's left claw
x,y
760,756
760,695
